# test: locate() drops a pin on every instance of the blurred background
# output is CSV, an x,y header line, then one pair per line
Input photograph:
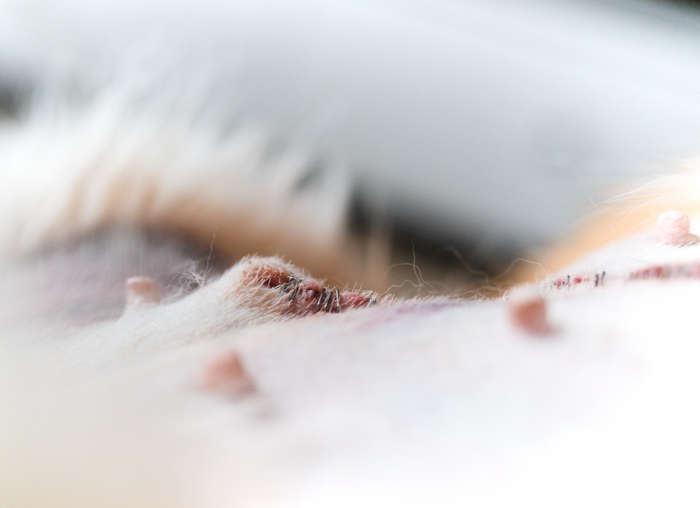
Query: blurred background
x,y
473,131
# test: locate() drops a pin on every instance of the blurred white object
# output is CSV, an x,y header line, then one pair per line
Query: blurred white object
x,y
503,119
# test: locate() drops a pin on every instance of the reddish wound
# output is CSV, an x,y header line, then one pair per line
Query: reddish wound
x,y
305,296
266,275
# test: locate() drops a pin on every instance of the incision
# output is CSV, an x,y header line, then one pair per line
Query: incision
x,y
298,293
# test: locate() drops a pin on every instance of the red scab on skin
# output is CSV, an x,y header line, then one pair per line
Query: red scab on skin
x,y
308,294
355,300
313,297
305,295
596,280
226,374
652,272
266,275
530,315
678,271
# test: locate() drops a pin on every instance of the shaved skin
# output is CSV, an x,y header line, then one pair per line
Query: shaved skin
x,y
144,373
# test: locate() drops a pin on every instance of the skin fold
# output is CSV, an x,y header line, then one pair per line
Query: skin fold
x,y
182,327
263,386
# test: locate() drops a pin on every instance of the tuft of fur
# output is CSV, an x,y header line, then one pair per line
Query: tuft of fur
x,y
68,172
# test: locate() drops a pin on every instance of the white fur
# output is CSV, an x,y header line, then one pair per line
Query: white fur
x,y
408,403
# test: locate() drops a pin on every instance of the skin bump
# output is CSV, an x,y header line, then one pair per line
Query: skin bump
x,y
227,375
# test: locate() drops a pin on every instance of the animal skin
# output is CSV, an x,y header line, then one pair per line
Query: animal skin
x,y
140,368
185,323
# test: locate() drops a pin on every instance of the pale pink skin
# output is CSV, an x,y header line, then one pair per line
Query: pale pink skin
x,y
403,401
530,315
674,229
140,290
226,374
